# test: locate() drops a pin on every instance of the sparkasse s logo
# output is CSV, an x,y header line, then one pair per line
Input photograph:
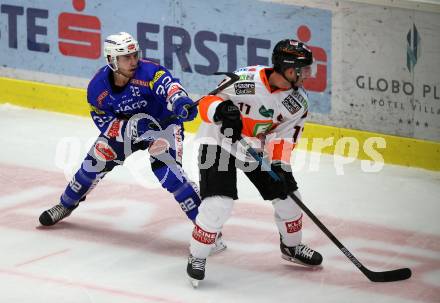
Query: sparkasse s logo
x,y
412,48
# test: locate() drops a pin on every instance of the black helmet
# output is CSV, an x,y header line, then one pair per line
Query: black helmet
x,y
291,53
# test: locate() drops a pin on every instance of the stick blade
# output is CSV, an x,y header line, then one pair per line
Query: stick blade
x,y
389,276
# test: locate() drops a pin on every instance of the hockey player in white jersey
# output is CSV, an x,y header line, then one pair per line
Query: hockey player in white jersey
x,y
267,107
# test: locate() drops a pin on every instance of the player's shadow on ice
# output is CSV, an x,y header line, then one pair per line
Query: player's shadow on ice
x,y
148,238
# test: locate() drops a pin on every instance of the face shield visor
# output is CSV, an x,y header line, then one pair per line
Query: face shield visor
x,y
305,72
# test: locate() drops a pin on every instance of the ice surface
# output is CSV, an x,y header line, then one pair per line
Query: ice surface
x,y
129,241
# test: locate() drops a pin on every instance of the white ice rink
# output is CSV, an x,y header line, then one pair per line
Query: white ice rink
x,y
129,241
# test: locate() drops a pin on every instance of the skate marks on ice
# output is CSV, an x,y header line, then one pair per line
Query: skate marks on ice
x,y
149,221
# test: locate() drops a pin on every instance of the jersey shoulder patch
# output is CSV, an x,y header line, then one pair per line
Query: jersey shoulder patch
x,y
248,76
244,88
295,101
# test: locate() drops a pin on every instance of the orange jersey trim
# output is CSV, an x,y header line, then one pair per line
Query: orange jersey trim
x,y
250,126
204,105
265,81
280,150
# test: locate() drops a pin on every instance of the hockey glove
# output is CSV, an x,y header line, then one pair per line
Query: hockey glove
x,y
229,114
286,184
137,128
182,108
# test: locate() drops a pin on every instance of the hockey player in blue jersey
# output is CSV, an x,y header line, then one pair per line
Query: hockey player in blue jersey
x,y
128,98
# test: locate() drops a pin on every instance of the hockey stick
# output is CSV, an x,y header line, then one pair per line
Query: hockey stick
x,y
232,79
374,276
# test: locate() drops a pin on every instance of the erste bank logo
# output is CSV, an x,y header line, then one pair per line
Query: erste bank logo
x,y
79,35
318,81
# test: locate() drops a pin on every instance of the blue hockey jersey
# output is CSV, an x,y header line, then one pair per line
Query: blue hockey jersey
x,y
150,91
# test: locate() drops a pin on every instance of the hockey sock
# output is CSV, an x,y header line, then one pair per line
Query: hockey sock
x,y
213,213
80,185
288,218
185,192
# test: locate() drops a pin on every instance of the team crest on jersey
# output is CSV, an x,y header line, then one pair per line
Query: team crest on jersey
x,y
244,88
268,113
291,104
261,128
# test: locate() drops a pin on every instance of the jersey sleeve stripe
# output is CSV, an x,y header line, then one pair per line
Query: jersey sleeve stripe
x,y
207,106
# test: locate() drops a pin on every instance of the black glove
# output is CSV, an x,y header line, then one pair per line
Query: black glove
x,y
229,114
286,184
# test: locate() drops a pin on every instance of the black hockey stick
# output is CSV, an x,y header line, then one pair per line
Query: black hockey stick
x,y
374,276
232,79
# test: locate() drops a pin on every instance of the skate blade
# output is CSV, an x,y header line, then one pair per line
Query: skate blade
x,y
296,261
217,249
194,283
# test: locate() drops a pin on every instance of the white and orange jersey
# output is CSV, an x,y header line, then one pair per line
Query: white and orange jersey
x,y
272,119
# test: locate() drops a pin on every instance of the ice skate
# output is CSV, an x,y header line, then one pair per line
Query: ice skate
x,y
301,254
195,270
219,245
55,214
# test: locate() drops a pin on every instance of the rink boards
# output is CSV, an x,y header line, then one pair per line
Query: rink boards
x,y
358,144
